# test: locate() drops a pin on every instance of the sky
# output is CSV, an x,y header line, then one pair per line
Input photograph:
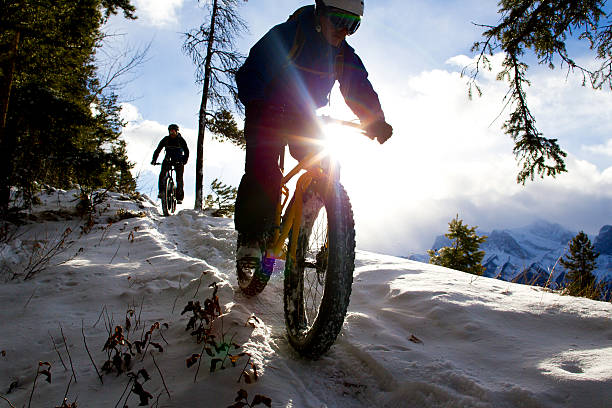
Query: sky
x,y
415,336
448,155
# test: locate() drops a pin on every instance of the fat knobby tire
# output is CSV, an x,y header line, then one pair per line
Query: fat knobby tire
x,y
312,339
167,196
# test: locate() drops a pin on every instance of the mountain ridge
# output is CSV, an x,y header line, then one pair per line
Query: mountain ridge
x,y
530,254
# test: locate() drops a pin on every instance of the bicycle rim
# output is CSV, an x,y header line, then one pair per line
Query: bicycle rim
x,y
172,189
318,282
166,199
315,269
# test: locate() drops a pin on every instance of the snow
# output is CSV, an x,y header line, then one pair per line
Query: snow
x,y
416,335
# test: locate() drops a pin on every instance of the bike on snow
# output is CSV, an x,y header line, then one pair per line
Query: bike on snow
x,y
316,238
168,188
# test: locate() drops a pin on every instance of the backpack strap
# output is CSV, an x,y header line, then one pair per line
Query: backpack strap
x,y
299,39
339,63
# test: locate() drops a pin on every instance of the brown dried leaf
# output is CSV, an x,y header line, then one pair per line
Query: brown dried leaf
x,y
242,394
157,346
415,339
261,399
47,374
192,360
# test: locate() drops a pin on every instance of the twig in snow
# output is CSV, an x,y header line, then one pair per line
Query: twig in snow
x,y
38,372
58,353
199,283
244,369
100,316
160,374
88,353
117,251
178,294
195,377
9,402
68,352
139,314
162,335
157,400
123,393
29,299
67,388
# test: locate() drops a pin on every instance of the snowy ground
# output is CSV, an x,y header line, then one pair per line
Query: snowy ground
x,y
416,335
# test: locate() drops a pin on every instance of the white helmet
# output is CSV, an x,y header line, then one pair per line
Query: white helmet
x,y
352,6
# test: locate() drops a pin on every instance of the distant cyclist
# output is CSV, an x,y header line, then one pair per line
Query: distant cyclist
x,y
288,74
177,153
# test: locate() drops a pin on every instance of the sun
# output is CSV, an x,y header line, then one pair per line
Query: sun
x,y
346,145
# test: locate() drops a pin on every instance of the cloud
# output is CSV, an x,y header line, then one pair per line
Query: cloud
x,y
604,149
159,13
449,155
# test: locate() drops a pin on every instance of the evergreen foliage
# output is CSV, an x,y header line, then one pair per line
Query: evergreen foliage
x,y
224,128
580,264
211,47
463,254
224,201
542,27
59,127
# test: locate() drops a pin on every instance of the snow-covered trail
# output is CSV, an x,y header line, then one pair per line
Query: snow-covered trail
x,y
416,335
339,379
415,332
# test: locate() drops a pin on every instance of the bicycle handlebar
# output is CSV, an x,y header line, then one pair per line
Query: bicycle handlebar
x,y
329,119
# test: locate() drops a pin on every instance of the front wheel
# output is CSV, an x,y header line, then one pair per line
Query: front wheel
x,y
318,282
168,197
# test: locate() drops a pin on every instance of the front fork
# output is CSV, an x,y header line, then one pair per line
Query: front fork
x,y
292,219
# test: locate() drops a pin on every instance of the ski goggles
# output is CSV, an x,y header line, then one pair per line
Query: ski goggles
x,y
341,19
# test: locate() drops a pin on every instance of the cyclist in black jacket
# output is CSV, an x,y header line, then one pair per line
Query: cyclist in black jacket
x,y
177,153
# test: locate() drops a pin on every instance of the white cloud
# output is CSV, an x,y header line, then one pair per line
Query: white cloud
x,y
605,149
449,155
158,12
129,113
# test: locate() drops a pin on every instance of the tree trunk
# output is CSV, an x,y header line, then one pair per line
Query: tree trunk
x,y
6,144
202,117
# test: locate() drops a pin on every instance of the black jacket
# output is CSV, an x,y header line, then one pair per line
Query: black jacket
x,y
176,149
294,65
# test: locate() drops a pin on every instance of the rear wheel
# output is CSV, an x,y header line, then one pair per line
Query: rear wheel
x,y
318,283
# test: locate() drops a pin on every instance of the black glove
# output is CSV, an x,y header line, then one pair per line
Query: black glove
x,y
380,130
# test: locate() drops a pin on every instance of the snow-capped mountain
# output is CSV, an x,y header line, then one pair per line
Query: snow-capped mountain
x,y
530,254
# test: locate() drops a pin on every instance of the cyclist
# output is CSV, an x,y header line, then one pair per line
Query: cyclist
x,y
177,153
288,74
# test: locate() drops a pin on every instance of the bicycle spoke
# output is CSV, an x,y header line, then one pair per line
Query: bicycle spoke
x,y
315,268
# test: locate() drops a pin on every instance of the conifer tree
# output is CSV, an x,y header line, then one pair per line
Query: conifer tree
x,y
211,47
224,199
57,126
463,254
543,28
580,263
